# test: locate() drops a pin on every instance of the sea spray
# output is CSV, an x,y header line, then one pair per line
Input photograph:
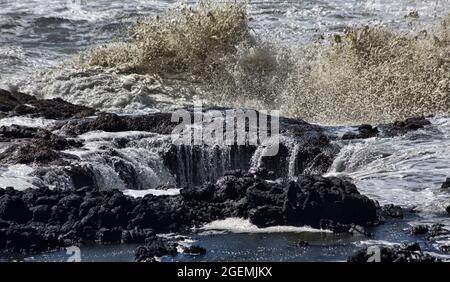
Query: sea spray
x,y
367,74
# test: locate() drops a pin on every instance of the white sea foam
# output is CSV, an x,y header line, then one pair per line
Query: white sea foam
x,y
407,170
17,176
155,192
26,121
105,89
376,243
239,225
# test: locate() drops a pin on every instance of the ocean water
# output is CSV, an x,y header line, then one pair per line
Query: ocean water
x,y
38,40
37,34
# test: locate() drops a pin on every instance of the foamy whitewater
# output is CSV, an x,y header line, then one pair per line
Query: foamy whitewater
x,y
40,44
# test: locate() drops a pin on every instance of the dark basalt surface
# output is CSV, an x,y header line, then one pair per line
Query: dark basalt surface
x,y
364,131
34,145
446,184
392,211
396,128
404,253
402,127
37,220
44,146
20,104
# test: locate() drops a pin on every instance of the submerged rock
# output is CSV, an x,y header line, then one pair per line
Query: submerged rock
x,y
302,243
194,251
419,229
392,211
154,248
404,253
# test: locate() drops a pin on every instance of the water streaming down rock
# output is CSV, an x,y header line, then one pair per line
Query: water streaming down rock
x,y
137,152
407,170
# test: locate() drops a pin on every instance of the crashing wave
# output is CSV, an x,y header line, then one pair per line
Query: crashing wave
x,y
366,74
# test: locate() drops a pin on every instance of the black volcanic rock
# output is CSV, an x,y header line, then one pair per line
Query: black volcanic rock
x,y
8,100
13,208
38,136
137,235
364,131
305,202
446,184
20,104
419,229
392,211
33,152
438,230
404,253
109,236
34,145
65,217
157,122
194,250
402,127
155,247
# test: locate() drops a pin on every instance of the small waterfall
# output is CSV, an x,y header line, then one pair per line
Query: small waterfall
x,y
292,161
195,165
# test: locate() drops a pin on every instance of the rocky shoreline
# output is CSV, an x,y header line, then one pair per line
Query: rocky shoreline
x,y
41,219
37,220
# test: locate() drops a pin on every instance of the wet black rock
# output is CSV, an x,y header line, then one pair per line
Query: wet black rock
x,y
40,136
302,243
109,236
438,230
341,228
158,122
364,131
305,202
34,152
392,211
88,214
20,104
41,213
404,253
13,208
419,229
137,235
194,250
34,145
402,127
156,247
8,100
448,210
446,184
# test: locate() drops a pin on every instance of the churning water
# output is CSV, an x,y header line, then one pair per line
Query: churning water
x,y
289,64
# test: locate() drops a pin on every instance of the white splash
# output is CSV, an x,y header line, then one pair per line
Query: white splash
x,y
407,170
239,225
155,192
26,121
17,176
